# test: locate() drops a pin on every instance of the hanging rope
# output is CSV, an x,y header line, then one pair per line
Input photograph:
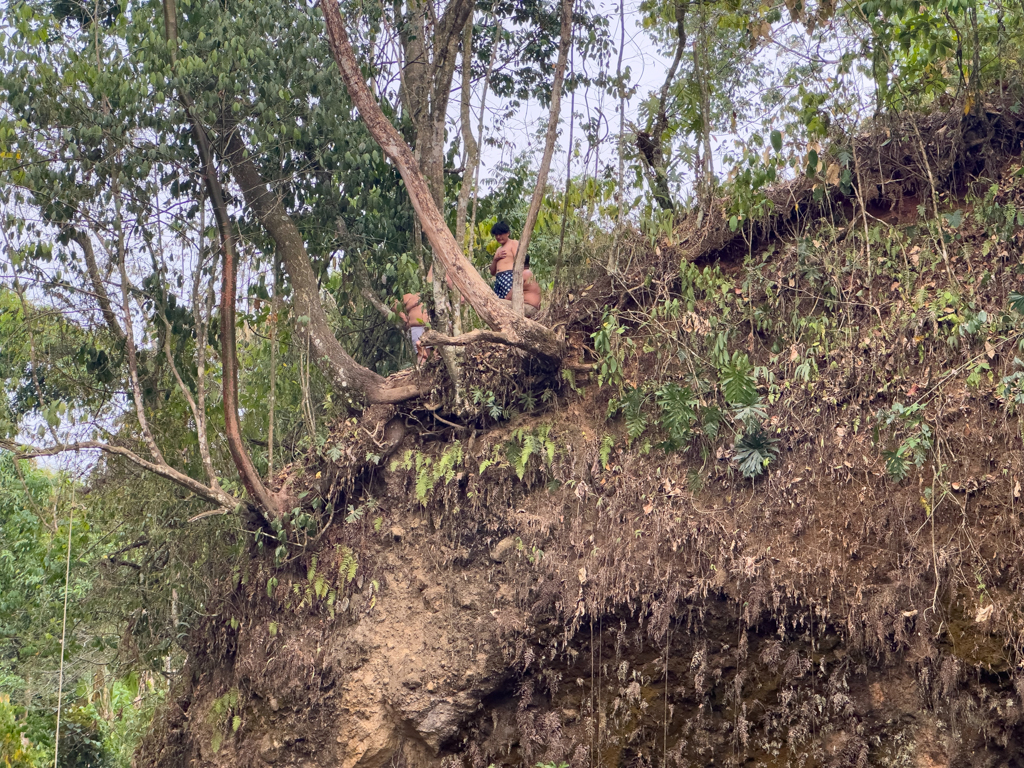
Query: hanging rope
x,y
63,634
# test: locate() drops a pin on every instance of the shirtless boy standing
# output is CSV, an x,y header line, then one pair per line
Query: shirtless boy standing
x,y
504,259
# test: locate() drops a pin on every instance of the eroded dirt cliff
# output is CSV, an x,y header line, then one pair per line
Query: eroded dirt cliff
x,y
571,580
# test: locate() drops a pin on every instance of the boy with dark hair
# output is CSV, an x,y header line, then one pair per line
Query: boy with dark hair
x,y
504,259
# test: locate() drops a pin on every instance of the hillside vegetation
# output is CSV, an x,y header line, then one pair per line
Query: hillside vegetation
x,y
776,523
744,491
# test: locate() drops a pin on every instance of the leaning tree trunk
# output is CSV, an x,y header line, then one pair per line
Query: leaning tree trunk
x,y
545,162
650,142
250,478
311,320
513,329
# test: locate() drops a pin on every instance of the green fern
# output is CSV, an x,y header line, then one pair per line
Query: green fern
x,y
738,384
605,452
450,459
632,411
424,477
530,446
711,418
513,450
406,462
347,563
896,464
547,443
678,413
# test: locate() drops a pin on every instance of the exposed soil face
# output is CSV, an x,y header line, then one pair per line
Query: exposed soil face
x,y
550,589
507,623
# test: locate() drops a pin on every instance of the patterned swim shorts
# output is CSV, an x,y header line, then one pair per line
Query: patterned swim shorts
x,y
503,283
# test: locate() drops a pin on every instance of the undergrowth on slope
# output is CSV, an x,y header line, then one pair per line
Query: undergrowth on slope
x,y
792,471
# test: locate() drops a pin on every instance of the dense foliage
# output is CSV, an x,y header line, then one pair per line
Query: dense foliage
x,y
112,340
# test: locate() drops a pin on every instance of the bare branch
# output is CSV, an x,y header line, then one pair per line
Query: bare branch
x,y
213,495
99,290
545,162
435,339
204,446
133,364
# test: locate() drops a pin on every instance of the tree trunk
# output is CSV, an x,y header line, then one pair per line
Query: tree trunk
x,y
706,165
545,164
427,79
480,133
310,319
516,330
471,155
649,142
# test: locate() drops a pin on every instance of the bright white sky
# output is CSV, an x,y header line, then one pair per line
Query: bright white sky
x,y
647,71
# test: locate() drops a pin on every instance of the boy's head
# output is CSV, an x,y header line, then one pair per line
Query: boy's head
x,y
526,264
501,232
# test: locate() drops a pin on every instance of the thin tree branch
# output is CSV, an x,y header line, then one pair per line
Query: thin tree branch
x,y
213,495
133,365
545,164
99,290
204,447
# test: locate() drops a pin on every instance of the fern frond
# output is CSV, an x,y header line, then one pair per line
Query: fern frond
x,y
678,413
605,452
755,450
738,384
1017,302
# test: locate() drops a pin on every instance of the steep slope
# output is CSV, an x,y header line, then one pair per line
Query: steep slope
x,y
585,573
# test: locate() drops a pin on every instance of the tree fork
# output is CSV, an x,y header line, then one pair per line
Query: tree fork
x,y
517,330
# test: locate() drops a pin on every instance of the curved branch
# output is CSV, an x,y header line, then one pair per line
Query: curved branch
x,y
310,318
229,361
496,313
213,495
102,297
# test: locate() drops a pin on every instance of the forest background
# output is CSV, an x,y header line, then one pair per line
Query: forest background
x,y
203,241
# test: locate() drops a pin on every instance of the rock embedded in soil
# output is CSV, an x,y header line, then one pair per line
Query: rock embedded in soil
x,y
503,549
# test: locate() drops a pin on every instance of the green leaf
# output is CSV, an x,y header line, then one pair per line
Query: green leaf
x,y
812,163
777,141
755,450
738,383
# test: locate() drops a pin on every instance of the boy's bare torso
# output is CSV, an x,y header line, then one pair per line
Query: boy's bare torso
x,y
504,258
